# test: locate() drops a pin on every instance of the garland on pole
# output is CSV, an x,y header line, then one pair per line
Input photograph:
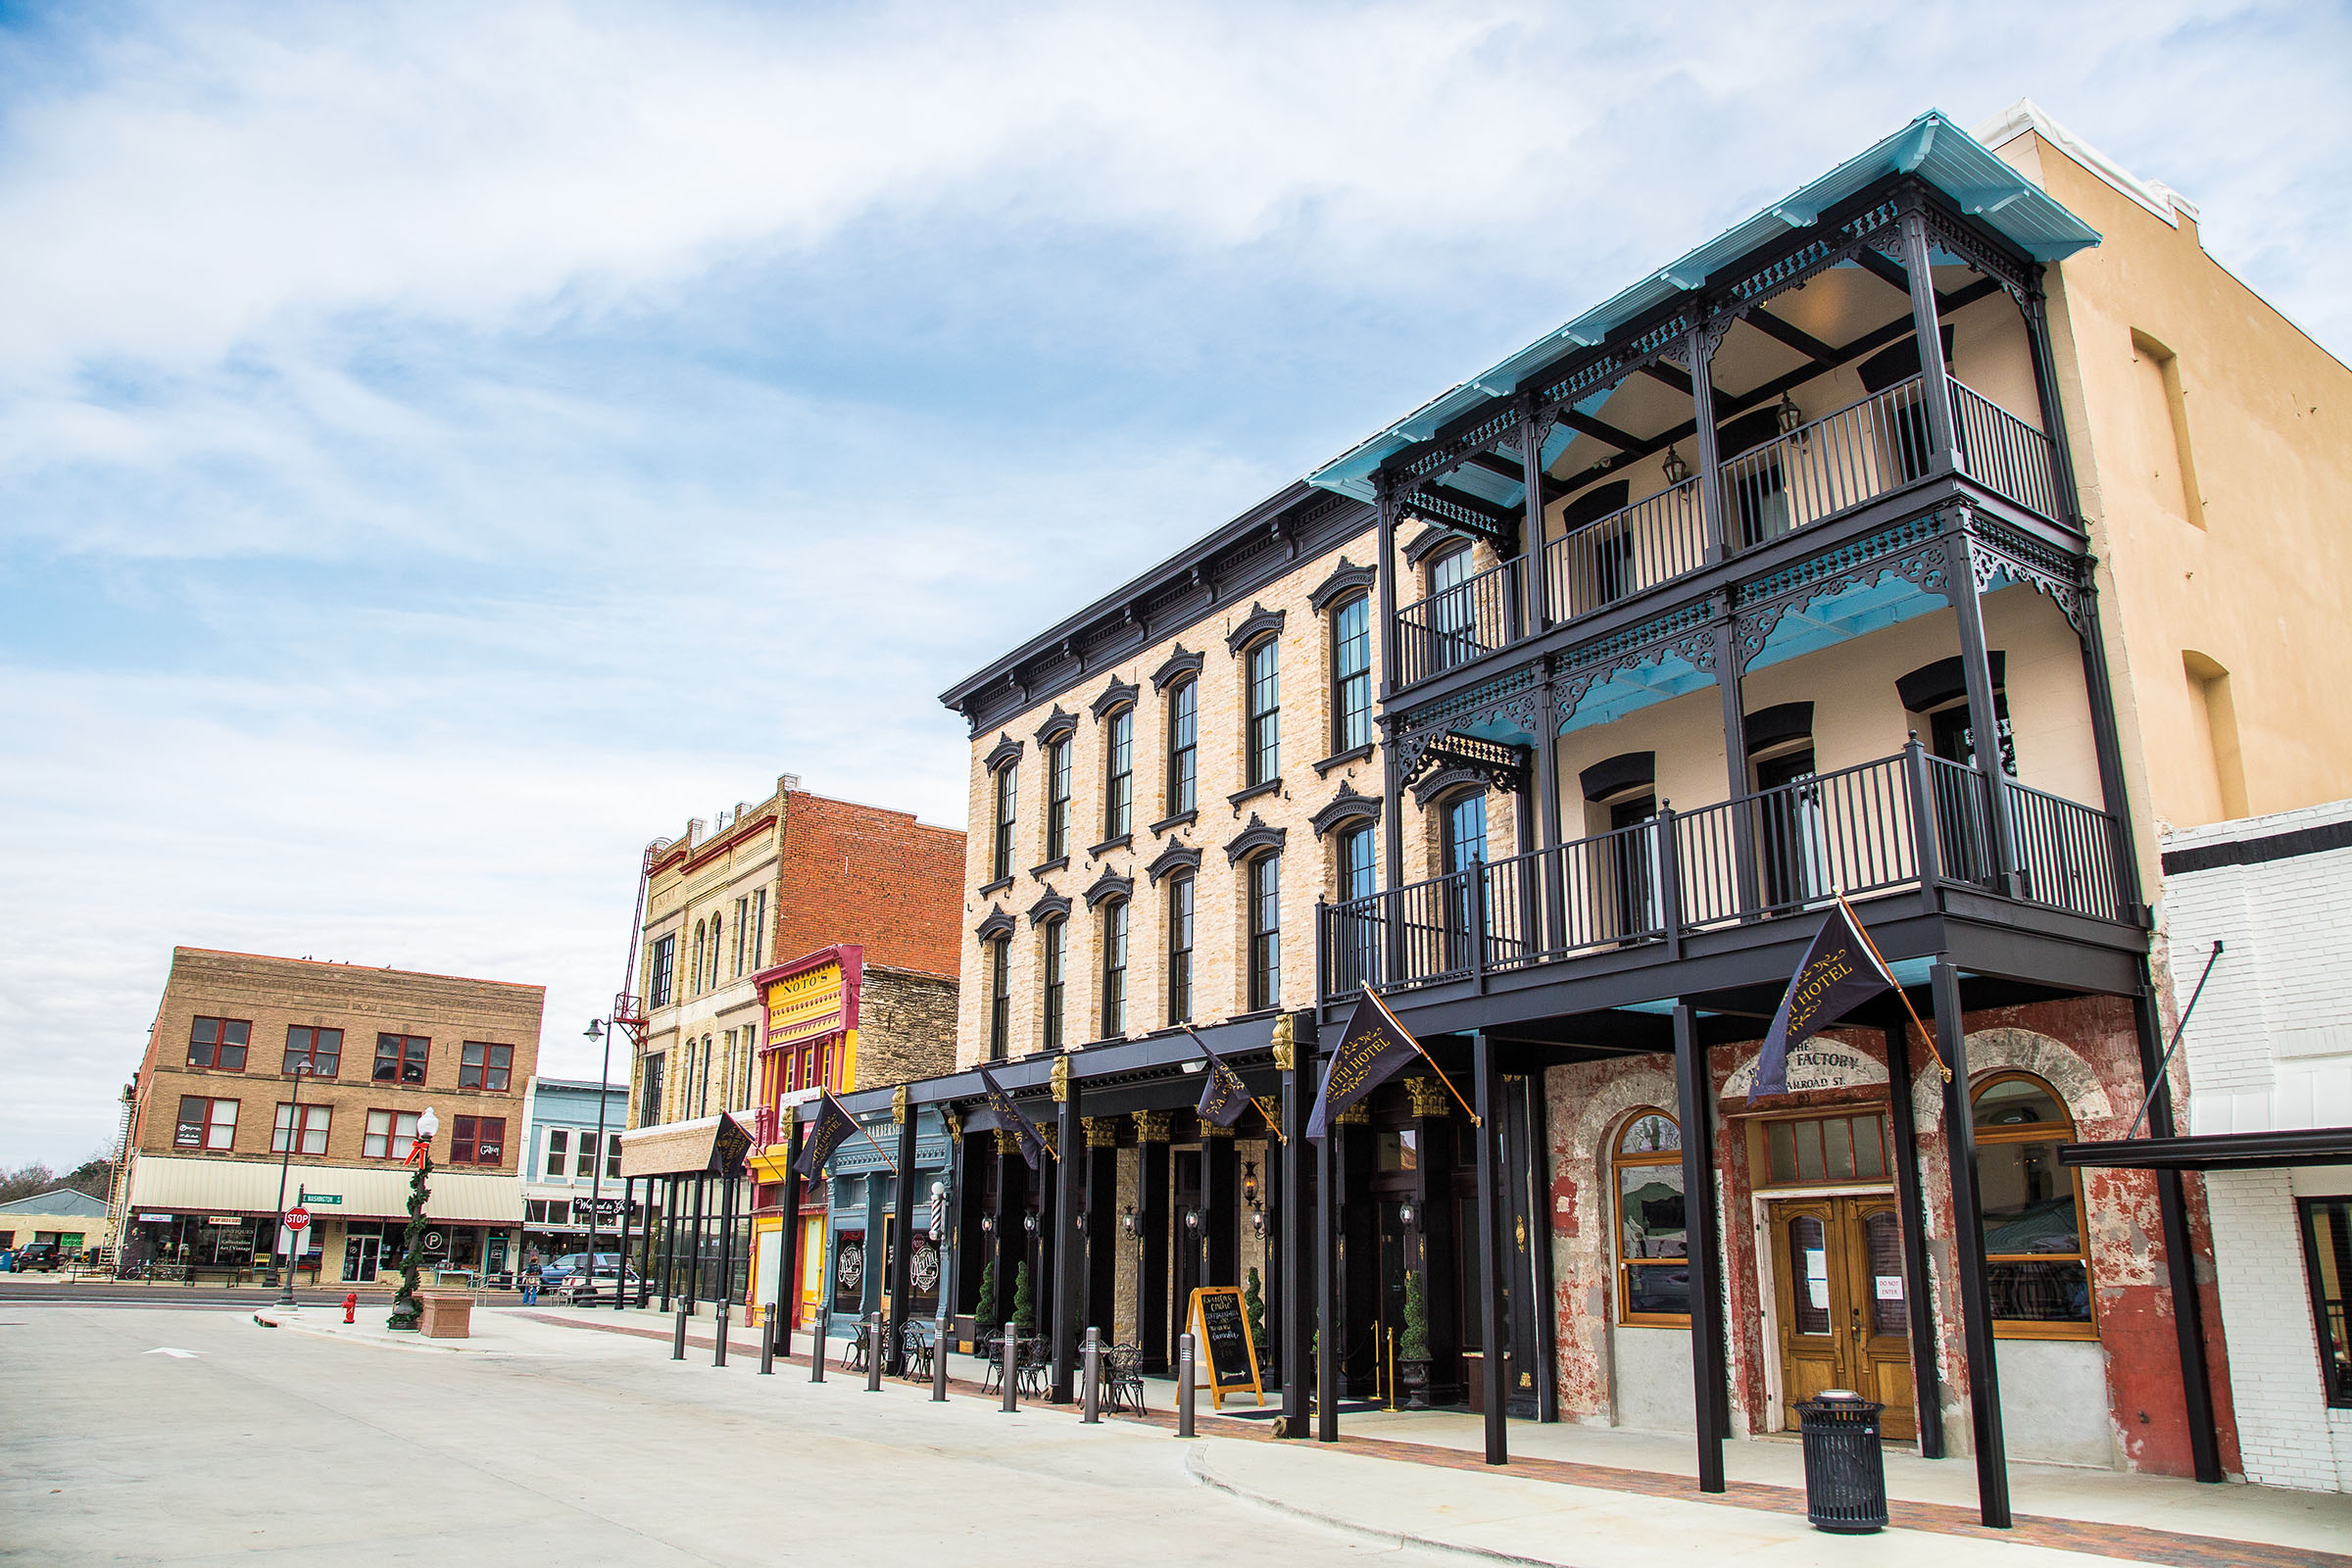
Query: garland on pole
x,y
408,1309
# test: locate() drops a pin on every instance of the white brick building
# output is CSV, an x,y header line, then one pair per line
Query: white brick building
x,y
2269,1057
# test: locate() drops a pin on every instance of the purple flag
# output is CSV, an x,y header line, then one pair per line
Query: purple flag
x,y
1840,974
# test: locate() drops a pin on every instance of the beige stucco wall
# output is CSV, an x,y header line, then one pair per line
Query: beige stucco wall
x,y
2258,588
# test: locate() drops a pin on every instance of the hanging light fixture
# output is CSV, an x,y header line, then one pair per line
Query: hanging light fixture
x,y
1677,471
1129,1221
1792,417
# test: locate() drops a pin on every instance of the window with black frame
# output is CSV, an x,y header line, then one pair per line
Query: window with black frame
x,y
1265,932
1184,747
1119,795
1057,799
1055,960
1453,622
1008,804
1351,674
1180,950
2328,1262
1114,968
1000,998
1358,946
1264,712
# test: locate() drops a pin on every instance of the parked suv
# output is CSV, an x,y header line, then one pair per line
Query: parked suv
x,y
44,1256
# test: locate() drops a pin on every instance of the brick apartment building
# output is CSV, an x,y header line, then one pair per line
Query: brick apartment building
x,y
802,941
249,1055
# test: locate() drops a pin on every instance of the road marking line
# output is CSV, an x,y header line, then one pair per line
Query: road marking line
x,y
179,1355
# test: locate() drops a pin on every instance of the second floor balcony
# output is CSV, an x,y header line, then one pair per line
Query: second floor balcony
x,y
1908,824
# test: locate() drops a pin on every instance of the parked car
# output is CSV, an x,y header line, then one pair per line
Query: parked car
x,y
44,1256
589,1287
571,1271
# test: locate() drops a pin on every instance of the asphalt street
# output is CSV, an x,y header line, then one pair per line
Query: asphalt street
x,y
146,1435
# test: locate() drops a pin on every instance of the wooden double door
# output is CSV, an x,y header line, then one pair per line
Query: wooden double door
x,y
1837,1268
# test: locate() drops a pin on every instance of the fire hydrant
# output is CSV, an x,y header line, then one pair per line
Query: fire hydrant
x,y
351,1307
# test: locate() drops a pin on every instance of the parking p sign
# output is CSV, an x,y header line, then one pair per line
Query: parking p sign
x,y
297,1218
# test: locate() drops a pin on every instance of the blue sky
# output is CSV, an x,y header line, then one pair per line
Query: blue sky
x,y
442,449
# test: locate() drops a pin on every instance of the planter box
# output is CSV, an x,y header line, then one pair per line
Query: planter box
x,y
448,1315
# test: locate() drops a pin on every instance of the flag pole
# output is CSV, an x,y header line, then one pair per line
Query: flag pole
x,y
1925,1033
1399,1027
862,1132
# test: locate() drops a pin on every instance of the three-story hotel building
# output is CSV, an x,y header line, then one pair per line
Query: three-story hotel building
x,y
1926,539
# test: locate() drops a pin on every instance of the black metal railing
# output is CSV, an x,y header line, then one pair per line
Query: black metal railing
x,y
1632,548
1827,467
1907,820
1456,624
2003,453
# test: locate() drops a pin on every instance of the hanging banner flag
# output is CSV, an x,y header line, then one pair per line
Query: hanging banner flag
x,y
1010,1117
833,1124
1841,971
1374,1046
1224,1096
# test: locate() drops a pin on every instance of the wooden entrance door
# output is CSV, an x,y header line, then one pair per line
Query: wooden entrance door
x,y
1838,1280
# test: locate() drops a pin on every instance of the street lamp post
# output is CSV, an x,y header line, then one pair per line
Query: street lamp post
x,y
407,1308
596,1171
285,1296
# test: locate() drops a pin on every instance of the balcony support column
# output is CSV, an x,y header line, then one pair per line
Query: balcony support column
x,y
1968,1246
1703,342
1734,754
1960,576
2037,312
1533,428
2114,793
1069,1256
2180,1262
1935,375
1695,1095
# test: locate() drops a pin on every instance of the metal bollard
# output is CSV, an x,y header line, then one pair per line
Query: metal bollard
x,y
1090,1401
874,1355
677,1337
819,1340
1011,1360
1184,1386
938,1361
767,1348
719,1353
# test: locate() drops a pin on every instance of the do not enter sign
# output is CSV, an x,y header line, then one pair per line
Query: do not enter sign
x,y
297,1218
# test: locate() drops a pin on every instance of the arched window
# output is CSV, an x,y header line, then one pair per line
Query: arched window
x,y
1000,999
1118,794
1265,932
699,931
1180,950
1452,620
1114,969
1184,747
1351,675
1057,799
1653,1264
718,945
2037,1260
1055,958
1008,800
1263,705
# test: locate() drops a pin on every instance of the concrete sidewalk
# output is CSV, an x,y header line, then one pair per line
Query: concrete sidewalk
x,y
1576,1495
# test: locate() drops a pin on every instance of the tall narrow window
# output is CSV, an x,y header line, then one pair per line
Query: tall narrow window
x,y
759,929
711,975
649,1104
1057,799
1000,999
1653,1270
1057,957
739,904
661,964
1118,812
558,1150
1351,675
1184,747
1265,932
1355,948
1359,864
1180,950
1265,711
1451,622
1009,801
1114,969
2037,1263
694,961
2328,1265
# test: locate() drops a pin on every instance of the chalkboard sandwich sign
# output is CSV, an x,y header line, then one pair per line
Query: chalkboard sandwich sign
x,y
1223,1331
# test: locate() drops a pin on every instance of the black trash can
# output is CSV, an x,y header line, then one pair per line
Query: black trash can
x,y
1846,1472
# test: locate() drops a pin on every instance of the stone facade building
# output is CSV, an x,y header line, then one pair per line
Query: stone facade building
x,y
255,1065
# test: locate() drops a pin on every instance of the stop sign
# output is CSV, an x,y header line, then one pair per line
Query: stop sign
x,y
297,1218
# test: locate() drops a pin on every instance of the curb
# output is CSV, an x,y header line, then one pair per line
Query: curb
x,y
1196,1465
420,1343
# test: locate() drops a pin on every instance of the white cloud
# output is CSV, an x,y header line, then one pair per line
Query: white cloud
x,y
442,448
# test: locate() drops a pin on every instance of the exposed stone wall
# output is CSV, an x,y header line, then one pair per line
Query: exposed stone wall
x,y
906,1027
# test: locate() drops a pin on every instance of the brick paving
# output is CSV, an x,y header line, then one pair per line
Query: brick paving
x,y
2173,1549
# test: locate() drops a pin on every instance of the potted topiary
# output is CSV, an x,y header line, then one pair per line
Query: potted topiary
x,y
1253,1308
984,1323
1024,1302
1412,1348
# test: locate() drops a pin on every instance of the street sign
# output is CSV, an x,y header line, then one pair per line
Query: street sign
x,y
322,1197
297,1218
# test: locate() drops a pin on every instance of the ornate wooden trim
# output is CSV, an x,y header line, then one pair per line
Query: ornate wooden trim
x,y
1344,579
1426,542
1178,664
1150,1126
1260,623
1346,806
1057,724
1425,1097
1052,907
1101,1132
1006,750
1254,839
1109,886
1175,857
997,924
1115,695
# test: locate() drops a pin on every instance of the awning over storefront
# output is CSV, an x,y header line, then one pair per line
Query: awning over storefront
x,y
706,1146
165,1182
2313,1146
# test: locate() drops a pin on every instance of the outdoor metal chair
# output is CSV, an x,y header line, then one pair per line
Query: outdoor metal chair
x,y
1036,1365
990,1347
914,1351
1123,1378
858,1348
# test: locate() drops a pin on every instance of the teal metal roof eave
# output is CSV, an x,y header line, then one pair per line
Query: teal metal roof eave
x,y
1932,147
